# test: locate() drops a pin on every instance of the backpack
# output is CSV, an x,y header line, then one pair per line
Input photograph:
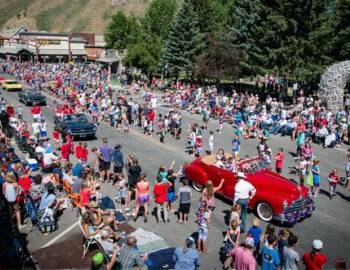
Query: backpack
x,y
47,222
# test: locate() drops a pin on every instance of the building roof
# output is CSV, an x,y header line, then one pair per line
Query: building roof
x,y
61,52
42,51
11,50
8,33
44,34
74,39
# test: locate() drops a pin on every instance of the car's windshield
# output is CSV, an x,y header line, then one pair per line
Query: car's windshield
x,y
253,166
12,82
75,118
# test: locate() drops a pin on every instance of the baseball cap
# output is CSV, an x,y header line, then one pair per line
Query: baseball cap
x,y
249,242
189,241
317,244
97,259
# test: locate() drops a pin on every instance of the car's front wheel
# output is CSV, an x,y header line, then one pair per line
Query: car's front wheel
x,y
197,186
264,211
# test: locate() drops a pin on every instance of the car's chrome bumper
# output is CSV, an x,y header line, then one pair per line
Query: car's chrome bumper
x,y
82,135
292,215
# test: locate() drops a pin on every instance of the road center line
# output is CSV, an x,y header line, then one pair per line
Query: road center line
x,y
60,235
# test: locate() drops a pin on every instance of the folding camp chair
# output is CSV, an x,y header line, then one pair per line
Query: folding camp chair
x,y
88,240
105,253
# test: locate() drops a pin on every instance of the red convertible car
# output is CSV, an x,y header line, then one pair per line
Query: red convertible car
x,y
277,198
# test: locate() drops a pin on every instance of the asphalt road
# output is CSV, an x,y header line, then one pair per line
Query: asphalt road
x,y
329,222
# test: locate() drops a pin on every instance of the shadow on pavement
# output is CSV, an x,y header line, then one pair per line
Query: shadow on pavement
x,y
13,244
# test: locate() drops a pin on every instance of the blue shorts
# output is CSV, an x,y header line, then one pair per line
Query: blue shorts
x,y
122,193
202,233
171,196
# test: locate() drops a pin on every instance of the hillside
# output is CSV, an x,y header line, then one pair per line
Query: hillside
x,y
65,15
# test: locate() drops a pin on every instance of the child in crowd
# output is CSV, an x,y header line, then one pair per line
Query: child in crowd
x,y
202,220
235,212
236,145
184,194
231,164
269,231
232,237
290,255
211,142
121,188
333,180
267,156
161,130
255,232
315,169
270,259
221,123
282,242
199,144
279,157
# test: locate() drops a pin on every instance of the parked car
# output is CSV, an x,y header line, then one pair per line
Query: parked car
x,y
77,125
11,85
277,198
29,97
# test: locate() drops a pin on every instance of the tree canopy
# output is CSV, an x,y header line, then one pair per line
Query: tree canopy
x,y
296,38
184,42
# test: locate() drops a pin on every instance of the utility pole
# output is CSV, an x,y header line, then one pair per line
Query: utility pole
x,y
69,49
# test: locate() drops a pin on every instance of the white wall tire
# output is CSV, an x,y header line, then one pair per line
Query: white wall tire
x,y
197,187
264,211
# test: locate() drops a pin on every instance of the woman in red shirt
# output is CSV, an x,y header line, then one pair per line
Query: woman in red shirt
x,y
315,260
86,192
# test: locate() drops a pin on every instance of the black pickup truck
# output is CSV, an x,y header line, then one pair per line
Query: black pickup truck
x,y
76,125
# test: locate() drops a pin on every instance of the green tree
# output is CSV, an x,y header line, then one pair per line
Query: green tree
x,y
284,37
159,16
220,60
212,15
184,43
139,56
123,31
243,31
275,36
333,35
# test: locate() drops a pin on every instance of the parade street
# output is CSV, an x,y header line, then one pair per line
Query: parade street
x,y
329,222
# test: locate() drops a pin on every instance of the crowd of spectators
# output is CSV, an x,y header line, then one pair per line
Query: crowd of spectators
x,y
62,182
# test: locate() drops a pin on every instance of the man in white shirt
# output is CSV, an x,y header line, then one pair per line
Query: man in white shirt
x,y
244,191
330,140
49,158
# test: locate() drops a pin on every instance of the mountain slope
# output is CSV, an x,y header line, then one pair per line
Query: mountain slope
x,y
65,15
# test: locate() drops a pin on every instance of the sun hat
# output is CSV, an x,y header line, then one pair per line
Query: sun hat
x,y
93,204
241,175
97,259
317,244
